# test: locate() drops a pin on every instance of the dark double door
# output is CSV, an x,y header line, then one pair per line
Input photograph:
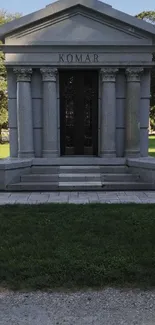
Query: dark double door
x,y
79,112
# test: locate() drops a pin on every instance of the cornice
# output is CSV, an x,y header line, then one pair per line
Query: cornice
x,y
137,47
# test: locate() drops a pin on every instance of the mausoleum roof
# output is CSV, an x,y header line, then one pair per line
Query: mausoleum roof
x,y
57,7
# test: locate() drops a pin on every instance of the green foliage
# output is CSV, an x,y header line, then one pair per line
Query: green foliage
x,y
3,94
148,16
3,101
5,17
153,85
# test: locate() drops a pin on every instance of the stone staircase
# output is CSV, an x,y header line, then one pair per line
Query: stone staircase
x,y
80,178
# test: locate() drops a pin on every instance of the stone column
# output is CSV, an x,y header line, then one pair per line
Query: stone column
x,y
50,127
144,112
132,112
12,111
108,113
24,113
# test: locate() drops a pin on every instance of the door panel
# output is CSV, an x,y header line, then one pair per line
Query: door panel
x,y
79,112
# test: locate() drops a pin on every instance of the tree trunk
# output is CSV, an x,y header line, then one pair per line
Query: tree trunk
x,y
149,126
0,133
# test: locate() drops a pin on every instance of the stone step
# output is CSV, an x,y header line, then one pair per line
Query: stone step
x,y
65,169
81,186
64,186
78,169
119,177
83,177
127,186
40,178
79,177
61,177
45,169
114,169
31,186
105,186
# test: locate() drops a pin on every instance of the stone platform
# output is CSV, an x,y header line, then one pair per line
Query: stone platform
x,y
80,178
77,174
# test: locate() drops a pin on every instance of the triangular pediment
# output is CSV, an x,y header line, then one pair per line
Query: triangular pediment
x,y
76,26
75,21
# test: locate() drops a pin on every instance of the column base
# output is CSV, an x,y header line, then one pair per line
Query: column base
x,y
132,153
50,154
29,154
108,154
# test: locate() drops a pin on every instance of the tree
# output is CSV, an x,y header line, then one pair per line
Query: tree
x,y
149,16
4,18
3,105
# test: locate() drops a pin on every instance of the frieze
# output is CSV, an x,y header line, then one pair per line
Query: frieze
x,y
78,58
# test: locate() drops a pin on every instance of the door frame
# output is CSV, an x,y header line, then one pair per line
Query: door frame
x,y
80,69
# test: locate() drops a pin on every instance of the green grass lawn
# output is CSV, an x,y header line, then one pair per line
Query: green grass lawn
x,y
5,151
73,246
152,146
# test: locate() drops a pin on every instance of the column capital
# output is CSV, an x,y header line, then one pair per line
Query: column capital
x,y
109,74
133,74
49,74
23,74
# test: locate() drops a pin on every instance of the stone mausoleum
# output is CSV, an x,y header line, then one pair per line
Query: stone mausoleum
x,y
78,99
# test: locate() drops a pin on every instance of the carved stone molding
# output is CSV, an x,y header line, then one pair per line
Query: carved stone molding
x,y
134,74
109,74
23,74
49,74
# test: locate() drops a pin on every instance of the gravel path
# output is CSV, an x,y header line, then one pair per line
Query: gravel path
x,y
107,307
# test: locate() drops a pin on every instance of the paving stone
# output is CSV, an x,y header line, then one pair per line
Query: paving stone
x,y
33,202
39,197
63,195
129,201
58,200
132,198
21,201
120,193
148,201
20,196
93,200
108,197
74,193
5,194
150,195
78,200
77,197
51,193
89,196
7,202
